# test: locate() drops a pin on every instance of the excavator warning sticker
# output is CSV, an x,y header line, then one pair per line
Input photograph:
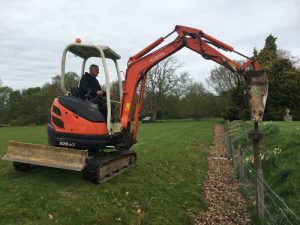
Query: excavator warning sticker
x,y
127,106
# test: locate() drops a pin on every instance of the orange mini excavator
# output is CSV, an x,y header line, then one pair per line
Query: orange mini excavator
x,y
81,139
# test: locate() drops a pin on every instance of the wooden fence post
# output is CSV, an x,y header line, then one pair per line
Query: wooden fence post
x,y
256,137
260,194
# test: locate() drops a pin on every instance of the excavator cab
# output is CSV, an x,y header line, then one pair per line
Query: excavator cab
x,y
76,122
85,52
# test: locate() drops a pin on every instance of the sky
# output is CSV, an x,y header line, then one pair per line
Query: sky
x,y
33,33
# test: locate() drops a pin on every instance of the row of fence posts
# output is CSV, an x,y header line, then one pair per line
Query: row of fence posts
x,y
256,137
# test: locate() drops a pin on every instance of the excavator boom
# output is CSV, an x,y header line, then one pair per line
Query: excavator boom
x,y
203,44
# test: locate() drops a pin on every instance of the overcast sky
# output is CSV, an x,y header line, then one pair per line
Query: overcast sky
x,y
33,33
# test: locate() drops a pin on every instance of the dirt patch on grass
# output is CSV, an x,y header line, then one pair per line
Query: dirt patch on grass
x,y
225,203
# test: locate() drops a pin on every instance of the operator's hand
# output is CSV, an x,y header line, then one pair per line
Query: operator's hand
x,y
100,93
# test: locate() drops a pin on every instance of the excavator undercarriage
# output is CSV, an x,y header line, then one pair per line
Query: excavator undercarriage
x,y
103,166
97,167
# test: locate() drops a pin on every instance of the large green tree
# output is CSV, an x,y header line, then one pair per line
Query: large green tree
x,y
284,81
284,85
268,55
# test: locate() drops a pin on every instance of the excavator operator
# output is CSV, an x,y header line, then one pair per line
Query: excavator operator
x,y
90,88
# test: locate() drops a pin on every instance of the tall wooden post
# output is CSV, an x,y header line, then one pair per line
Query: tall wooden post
x,y
256,137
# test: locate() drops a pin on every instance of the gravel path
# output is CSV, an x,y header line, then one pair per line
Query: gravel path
x,y
225,203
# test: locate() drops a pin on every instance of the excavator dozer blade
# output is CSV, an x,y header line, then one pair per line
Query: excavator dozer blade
x,y
63,158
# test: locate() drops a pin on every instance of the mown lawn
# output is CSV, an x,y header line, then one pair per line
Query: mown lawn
x,y
163,188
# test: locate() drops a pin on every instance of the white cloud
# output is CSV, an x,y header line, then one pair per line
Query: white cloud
x,y
33,33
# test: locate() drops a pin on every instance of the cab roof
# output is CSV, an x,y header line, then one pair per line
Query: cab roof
x,y
86,51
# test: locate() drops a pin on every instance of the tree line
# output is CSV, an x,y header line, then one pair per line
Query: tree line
x,y
31,106
169,95
284,84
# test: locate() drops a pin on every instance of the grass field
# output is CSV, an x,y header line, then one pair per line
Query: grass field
x,y
163,188
280,156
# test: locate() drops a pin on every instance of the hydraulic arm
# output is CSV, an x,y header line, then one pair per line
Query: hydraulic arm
x,y
206,46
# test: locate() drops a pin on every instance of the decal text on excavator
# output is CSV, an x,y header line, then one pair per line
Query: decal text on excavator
x,y
157,57
127,106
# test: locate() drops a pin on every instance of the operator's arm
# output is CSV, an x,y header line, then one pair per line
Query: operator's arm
x,y
98,89
101,93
